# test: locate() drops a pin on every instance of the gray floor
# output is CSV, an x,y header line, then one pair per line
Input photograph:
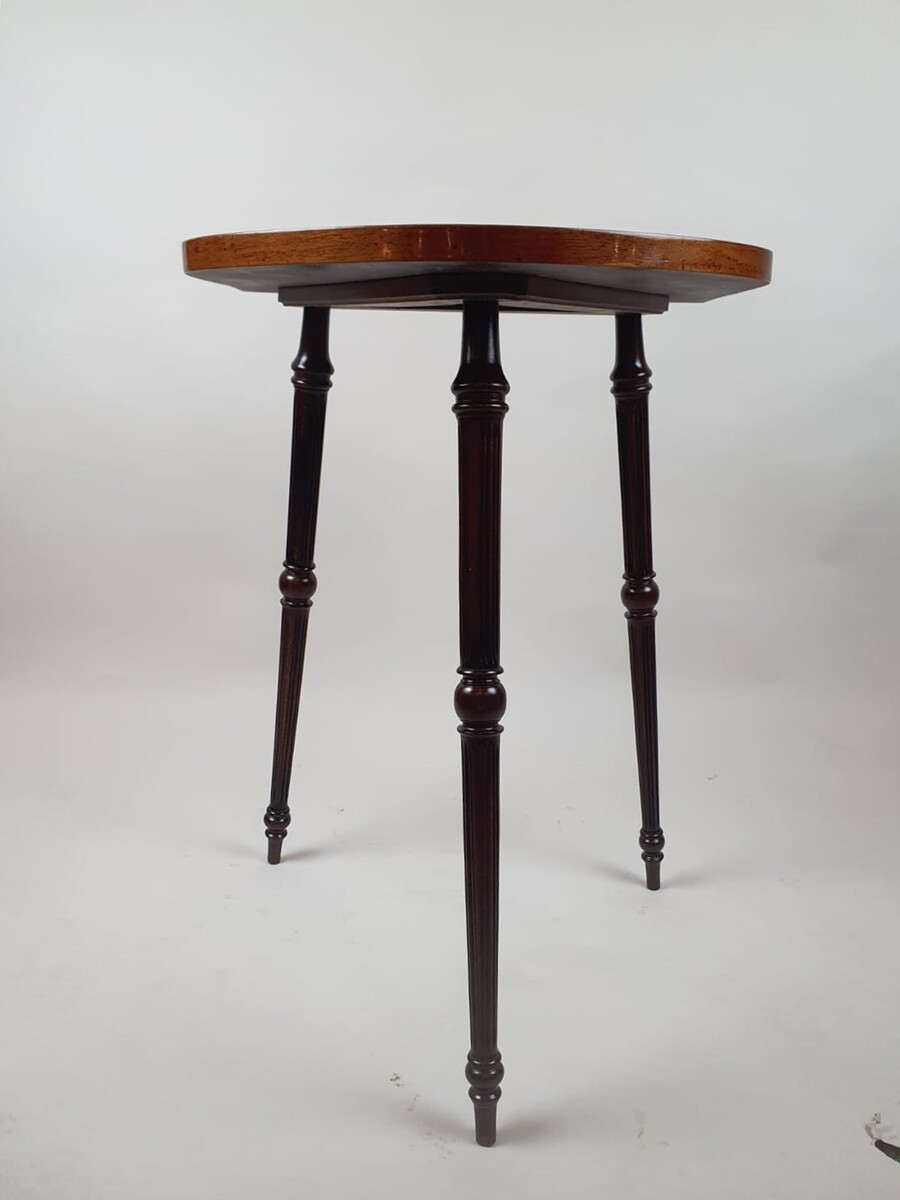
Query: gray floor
x,y
178,1020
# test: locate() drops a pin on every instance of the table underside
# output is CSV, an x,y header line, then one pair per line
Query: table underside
x,y
442,286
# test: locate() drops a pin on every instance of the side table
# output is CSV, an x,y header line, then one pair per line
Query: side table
x,y
480,270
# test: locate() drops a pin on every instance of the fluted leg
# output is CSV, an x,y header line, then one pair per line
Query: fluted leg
x,y
631,387
480,389
311,379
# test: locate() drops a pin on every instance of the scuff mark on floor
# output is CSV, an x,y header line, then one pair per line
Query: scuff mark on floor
x,y
430,1138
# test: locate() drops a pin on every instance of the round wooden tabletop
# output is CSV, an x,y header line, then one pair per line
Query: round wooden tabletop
x,y
364,265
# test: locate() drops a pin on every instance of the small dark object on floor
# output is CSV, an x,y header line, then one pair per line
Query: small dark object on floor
x,y
887,1148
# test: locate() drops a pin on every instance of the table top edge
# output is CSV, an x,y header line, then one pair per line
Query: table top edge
x,y
477,244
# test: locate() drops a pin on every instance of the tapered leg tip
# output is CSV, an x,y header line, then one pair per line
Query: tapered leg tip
x,y
485,1124
652,876
276,822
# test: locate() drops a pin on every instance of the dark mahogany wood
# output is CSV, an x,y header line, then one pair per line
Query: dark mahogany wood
x,y
480,389
480,269
446,291
631,388
312,372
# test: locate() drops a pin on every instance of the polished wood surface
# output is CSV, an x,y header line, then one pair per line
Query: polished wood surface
x,y
480,389
679,269
311,378
631,388
480,270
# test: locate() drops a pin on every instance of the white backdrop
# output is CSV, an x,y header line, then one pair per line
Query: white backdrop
x,y
146,431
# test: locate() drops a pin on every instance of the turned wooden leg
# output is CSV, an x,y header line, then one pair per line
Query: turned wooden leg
x,y
311,379
480,389
631,387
